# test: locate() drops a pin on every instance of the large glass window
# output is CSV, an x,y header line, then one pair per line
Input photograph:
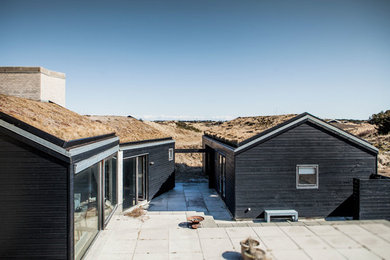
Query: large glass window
x,y
222,175
110,189
85,208
307,176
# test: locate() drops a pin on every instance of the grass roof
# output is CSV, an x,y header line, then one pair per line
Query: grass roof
x,y
242,128
130,129
52,118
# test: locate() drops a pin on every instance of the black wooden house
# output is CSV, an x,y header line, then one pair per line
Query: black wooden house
x,y
57,180
299,162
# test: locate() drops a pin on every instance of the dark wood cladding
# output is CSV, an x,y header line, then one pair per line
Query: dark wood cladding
x,y
266,173
214,147
160,171
372,198
34,198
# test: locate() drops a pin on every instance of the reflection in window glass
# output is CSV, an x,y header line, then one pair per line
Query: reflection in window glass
x,y
110,199
85,208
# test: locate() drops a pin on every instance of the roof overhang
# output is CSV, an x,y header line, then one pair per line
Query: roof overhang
x,y
129,146
67,152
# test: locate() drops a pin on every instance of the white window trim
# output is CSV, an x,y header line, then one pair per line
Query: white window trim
x,y
170,154
307,186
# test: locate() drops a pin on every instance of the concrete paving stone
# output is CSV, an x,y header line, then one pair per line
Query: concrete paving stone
x,y
123,246
241,232
254,224
297,231
281,224
224,225
150,257
358,254
220,215
352,230
184,246
279,243
124,234
310,242
239,224
212,233
199,209
376,228
324,254
186,256
290,255
296,223
178,234
324,230
265,224
152,233
151,247
370,240
340,241
113,256
385,237
311,223
215,247
269,231
383,252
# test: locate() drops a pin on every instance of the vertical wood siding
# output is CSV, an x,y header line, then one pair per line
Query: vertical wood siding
x,y
372,198
266,173
34,197
161,171
214,147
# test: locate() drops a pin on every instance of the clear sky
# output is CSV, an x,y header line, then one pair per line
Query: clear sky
x,y
210,59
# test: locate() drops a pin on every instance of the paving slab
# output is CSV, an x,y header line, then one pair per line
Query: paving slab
x,y
358,254
215,233
383,252
324,254
184,246
269,231
279,243
241,232
340,241
310,242
186,256
151,247
149,257
215,247
376,228
290,255
153,234
296,231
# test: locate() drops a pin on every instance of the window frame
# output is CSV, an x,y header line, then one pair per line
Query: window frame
x,y
170,154
307,186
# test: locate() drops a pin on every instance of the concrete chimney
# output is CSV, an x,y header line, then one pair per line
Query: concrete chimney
x,y
35,83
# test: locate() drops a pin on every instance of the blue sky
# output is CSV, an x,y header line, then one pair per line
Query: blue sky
x,y
211,59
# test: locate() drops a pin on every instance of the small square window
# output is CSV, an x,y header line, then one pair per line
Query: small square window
x,y
307,176
170,154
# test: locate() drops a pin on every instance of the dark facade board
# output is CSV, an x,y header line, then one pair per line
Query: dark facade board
x,y
372,198
161,171
34,203
266,173
212,149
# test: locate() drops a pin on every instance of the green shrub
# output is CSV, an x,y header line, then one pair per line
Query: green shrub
x,y
382,121
183,125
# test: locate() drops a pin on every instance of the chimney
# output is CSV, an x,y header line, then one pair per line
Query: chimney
x,y
35,83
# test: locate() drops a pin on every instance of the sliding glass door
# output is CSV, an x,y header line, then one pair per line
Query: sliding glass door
x,y
134,180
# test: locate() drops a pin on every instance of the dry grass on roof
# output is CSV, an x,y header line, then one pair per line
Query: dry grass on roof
x,y
52,118
242,128
130,129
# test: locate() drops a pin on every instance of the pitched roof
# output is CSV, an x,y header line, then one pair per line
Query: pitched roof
x,y
51,118
286,123
236,131
130,129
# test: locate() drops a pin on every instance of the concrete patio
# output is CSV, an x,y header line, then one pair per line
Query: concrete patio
x,y
162,233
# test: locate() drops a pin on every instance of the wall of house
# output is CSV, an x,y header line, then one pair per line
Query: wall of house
x,y
161,174
266,173
35,83
215,147
34,199
372,198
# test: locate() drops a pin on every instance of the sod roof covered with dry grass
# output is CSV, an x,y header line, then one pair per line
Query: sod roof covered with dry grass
x,y
130,129
52,118
242,128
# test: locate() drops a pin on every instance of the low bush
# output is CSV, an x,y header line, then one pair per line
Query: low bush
x,y
382,121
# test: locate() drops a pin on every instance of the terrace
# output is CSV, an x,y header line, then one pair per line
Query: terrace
x,y
162,233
